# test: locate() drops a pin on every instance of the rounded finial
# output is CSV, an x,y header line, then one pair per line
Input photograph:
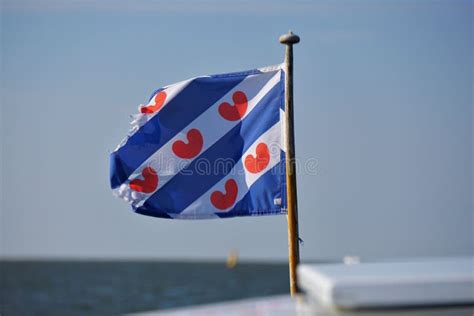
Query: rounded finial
x,y
289,38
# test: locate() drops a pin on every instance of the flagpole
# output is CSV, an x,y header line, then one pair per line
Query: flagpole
x,y
293,240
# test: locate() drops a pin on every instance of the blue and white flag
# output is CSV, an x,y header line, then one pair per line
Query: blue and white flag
x,y
207,147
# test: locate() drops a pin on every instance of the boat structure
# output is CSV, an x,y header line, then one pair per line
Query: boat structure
x,y
417,287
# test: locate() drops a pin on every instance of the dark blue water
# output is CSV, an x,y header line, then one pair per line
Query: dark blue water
x,y
113,287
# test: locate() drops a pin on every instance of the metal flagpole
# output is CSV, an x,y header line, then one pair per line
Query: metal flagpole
x,y
293,240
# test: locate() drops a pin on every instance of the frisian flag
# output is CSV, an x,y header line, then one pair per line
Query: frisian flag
x,y
207,147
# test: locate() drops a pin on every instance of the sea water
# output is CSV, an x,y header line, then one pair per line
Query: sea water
x,y
119,287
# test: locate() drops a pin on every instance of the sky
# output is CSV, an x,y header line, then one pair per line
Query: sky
x,y
383,104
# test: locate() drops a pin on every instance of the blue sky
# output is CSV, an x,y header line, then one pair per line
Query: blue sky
x,y
383,102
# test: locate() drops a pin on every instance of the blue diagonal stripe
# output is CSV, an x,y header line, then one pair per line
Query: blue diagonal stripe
x,y
260,199
190,184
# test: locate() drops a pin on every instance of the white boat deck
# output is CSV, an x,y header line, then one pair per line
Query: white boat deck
x,y
286,306
420,282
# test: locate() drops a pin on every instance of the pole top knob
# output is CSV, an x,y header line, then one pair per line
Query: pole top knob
x,y
289,38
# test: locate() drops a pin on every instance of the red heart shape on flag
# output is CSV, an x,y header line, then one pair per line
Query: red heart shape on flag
x,y
237,111
223,201
149,182
160,99
192,148
260,162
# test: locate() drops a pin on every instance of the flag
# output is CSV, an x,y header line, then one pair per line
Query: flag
x,y
207,147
